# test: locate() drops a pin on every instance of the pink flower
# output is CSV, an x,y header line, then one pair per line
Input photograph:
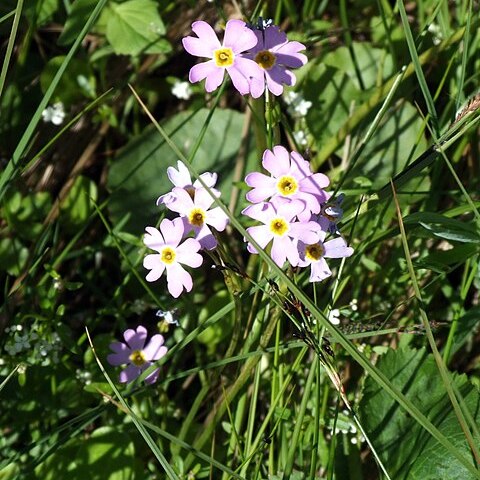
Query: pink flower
x,y
238,38
171,255
198,216
291,178
181,178
314,254
136,355
275,54
279,225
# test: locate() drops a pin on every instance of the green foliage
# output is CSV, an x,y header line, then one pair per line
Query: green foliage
x,y
135,27
257,383
139,173
415,373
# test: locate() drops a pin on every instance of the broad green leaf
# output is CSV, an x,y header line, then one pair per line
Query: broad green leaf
x,y
40,11
468,325
138,176
135,27
81,10
445,227
374,64
332,92
408,451
106,454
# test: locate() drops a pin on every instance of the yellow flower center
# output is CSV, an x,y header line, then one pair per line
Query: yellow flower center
x,y
287,185
314,252
137,357
197,217
265,59
223,57
279,227
168,255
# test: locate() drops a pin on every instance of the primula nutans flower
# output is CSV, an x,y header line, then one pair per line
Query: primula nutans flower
x,y
171,255
279,225
314,254
136,355
275,54
291,178
224,57
198,216
180,177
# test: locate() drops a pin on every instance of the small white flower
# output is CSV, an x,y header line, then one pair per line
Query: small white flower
x,y
297,105
301,138
54,114
353,305
182,90
333,316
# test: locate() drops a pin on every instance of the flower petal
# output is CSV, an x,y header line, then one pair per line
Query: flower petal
x,y
136,339
129,374
319,270
238,36
203,199
205,44
177,278
217,219
153,377
172,230
153,239
180,177
210,71
187,253
277,162
274,37
337,248
155,348
154,263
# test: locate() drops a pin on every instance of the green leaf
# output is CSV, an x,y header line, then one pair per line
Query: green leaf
x,y
400,441
135,27
81,10
374,64
445,227
138,176
79,203
106,454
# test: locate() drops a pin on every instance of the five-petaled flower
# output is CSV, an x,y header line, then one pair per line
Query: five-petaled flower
x,y
280,225
198,216
291,178
224,57
137,355
171,255
181,178
275,55
314,254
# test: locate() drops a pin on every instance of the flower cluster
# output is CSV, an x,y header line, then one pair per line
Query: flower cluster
x,y
193,203
292,206
137,354
253,57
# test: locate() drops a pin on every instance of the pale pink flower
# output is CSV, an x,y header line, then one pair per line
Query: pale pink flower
x,y
224,57
198,216
290,178
280,225
314,254
275,55
171,255
136,355
180,177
